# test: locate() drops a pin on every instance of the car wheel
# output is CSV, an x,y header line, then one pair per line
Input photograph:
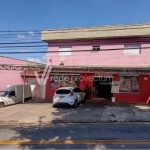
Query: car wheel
x,y
1,104
26,100
54,106
75,105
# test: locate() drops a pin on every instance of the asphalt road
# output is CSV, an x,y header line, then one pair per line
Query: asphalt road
x,y
76,136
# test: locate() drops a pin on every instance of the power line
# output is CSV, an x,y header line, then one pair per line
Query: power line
x,y
116,49
23,46
24,43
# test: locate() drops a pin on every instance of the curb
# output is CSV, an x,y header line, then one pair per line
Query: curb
x,y
70,122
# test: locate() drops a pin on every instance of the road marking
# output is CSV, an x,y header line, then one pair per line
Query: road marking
x,y
27,142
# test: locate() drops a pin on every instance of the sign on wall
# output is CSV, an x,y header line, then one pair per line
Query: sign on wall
x,y
129,84
115,87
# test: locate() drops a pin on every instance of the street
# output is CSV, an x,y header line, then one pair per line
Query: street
x,y
76,136
93,111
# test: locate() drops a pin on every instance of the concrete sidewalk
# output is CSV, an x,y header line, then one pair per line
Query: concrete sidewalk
x,y
89,112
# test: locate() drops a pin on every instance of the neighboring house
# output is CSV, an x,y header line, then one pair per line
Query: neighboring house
x,y
10,77
104,54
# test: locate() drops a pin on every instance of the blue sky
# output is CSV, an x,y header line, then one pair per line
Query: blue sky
x,y
29,15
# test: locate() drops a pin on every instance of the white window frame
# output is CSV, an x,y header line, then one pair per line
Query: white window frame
x,y
134,49
68,48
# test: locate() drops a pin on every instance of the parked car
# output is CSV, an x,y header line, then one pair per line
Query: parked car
x,y
71,96
14,94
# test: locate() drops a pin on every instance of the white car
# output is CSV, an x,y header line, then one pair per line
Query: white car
x,y
68,96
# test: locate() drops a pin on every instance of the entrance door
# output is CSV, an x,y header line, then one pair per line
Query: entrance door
x,y
102,87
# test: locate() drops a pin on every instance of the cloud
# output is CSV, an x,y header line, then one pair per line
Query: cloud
x,y
44,57
21,36
35,60
31,32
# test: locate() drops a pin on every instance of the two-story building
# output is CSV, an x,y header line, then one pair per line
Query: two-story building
x,y
114,61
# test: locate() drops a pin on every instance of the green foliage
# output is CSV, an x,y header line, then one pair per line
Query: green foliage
x,y
88,92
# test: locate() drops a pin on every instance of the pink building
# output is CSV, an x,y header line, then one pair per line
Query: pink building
x,y
120,53
10,77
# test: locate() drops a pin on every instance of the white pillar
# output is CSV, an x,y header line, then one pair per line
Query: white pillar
x,y
23,84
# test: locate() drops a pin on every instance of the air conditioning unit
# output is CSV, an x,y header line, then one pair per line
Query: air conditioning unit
x,y
96,48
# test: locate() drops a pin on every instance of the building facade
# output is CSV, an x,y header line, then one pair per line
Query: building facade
x,y
9,76
112,60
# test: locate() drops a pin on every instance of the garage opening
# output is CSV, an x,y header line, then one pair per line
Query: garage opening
x,y
102,87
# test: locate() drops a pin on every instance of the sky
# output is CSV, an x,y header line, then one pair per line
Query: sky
x,y
31,15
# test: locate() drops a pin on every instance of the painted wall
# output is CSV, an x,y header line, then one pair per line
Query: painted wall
x,y
100,58
49,91
10,77
82,84
141,97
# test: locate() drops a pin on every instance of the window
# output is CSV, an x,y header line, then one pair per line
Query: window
x,y
31,81
129,84
132,49
12,93
96,48
63,91
65,51
77,90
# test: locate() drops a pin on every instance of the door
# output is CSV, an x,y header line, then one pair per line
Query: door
x,y
81,94
78,94
95,87
102,87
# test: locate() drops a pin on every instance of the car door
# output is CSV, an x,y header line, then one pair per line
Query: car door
x,y
12,97
77,92
81,93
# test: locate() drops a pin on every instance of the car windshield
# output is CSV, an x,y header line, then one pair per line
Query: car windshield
x,y
4,93
63,91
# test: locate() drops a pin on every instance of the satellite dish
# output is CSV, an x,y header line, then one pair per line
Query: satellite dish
x,y
62,59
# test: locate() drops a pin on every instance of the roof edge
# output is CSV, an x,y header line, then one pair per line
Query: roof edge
x,y
23,60
99,32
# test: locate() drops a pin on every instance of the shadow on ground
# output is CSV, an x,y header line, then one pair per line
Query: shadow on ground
x,y
87,112
73,132
84,113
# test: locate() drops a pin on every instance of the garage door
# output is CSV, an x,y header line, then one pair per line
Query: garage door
x,y
38,91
